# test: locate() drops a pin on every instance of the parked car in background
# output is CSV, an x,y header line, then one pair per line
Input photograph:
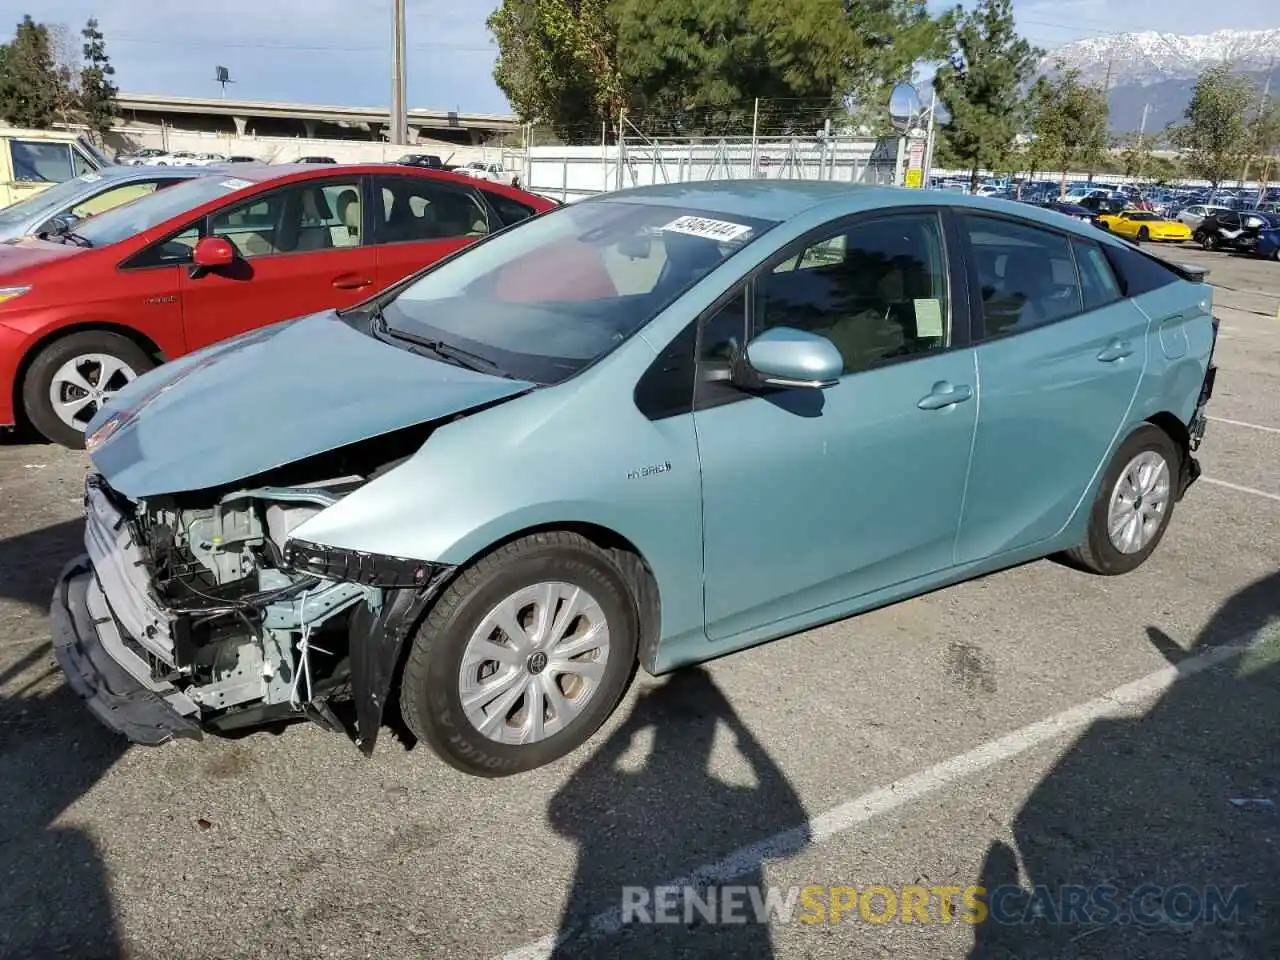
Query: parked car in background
x,y
1105,203
177,158
1194,215
34,160
136,157
316,159
85,196
643,430
493,172
428,160
1143,227
1235,230
1269,243
211,258
1073,210
241,158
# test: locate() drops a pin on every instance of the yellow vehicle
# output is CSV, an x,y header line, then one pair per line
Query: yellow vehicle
x,y
34,160
1143,226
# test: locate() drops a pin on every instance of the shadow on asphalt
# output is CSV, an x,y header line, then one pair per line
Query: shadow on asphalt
x,y
665,819
31,562
1143,806
54,898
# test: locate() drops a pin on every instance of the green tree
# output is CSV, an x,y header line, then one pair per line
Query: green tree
x,y
557,63
1069,123
30,87
979,84
97,92
1214,136
697,66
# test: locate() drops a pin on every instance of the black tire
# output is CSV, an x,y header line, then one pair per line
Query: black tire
x,y
1144,235
1097,554
39,378
430,700
1208,241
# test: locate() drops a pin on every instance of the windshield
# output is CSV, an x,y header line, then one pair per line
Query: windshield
x,y
547,298
143,214
48,200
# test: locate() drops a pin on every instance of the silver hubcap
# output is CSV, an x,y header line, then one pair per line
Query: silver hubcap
x,y
534,662
83,384
1139,502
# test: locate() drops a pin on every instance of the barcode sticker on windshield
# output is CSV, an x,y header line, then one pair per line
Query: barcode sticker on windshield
x,y
721,230
235,183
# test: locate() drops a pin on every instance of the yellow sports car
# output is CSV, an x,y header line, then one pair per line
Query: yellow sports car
x,y
1143,226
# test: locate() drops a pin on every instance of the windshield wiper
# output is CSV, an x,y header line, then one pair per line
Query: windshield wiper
x,y
75,238
446,351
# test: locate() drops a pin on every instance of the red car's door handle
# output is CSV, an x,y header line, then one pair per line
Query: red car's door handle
x,y
347,282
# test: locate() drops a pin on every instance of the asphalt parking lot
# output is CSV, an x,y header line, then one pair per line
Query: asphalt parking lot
x,y
1035,727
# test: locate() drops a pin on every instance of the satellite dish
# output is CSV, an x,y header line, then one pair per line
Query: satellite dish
x,y
904,107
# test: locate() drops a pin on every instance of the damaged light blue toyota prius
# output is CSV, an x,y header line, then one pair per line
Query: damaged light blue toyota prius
x,y
645,429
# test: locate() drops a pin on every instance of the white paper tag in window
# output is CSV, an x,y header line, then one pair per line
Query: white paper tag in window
x,y
722,231
928,318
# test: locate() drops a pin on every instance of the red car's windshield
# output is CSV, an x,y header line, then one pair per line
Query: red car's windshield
x,y
143,214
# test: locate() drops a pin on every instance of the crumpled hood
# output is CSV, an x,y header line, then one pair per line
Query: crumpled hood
x,y
269,398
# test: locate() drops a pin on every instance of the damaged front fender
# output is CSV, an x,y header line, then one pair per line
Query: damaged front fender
x,y
377,645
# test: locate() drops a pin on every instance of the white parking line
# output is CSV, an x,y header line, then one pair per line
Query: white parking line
x,y
886,799
1240,489
1242,423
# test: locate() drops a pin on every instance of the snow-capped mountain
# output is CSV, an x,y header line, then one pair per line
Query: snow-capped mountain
x,y
1152,57
1158,70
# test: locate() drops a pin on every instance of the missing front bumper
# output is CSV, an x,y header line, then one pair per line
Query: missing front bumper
x,y
143,711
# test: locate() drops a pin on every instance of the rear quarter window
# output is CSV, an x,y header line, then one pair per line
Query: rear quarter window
x,y
1138,273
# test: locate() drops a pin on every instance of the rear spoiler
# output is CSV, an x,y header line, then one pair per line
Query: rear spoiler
x,y
1189,271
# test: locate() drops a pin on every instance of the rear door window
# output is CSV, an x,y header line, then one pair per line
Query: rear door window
x,y
418,208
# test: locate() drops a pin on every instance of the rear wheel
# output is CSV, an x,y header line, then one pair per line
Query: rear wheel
x,y
1208,240
1144,235
523,656
71,378
1134,504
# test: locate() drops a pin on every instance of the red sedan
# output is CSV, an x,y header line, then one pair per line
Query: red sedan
x,y
214,257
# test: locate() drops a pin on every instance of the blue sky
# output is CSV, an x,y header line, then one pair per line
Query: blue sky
x,y
336,51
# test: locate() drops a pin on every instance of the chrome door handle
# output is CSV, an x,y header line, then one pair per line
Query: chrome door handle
x,y
1116,350
945,395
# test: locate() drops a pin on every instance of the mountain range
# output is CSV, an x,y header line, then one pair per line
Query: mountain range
x,y
1159,70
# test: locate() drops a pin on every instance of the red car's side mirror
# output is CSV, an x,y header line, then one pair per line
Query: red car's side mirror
x,y
213,252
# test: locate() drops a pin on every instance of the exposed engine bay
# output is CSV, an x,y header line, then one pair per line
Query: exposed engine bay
x,y
207,602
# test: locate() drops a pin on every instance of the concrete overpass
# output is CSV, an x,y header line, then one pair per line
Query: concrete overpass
x,y
216,114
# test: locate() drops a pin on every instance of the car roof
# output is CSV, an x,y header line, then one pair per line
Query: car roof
x,y
124,171
780,200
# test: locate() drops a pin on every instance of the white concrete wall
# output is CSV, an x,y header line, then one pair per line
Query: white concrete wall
x,y
289,149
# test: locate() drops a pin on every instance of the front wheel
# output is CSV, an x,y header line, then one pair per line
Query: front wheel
x,y
523,656
71,378
1144,235
1208,241
1134,504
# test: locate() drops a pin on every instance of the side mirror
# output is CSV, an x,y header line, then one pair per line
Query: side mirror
x,y
213,252
785,357
57,226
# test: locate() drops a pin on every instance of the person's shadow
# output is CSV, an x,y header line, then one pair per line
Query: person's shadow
x,y
666,816
1177,812
54,896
